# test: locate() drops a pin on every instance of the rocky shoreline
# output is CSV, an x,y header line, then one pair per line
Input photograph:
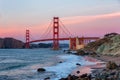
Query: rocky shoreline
x,y
106,49
98,74
105,68
109,70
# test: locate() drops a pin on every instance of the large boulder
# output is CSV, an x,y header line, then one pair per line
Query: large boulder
x,y
78,64
47,78
41,70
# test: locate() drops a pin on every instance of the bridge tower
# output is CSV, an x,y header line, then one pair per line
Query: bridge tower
x,y
72,44
27,44
56,33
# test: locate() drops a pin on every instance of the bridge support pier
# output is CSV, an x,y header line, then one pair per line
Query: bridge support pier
x,y
72,44
76,43
80,43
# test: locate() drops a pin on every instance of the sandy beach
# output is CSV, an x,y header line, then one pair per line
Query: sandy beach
x,y
109,58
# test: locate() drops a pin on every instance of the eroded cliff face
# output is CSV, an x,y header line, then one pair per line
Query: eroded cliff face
x,y
10,43
109,45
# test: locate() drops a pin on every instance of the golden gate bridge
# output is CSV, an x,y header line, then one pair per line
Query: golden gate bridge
x,y
74,42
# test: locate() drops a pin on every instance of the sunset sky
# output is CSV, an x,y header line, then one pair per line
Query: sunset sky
x,y
81,17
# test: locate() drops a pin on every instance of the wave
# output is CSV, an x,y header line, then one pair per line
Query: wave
x,y
63,69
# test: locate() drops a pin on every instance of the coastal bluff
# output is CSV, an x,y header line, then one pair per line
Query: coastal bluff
x,y
108,45
10,43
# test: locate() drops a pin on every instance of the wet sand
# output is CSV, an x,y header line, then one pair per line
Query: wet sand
x,y
88,69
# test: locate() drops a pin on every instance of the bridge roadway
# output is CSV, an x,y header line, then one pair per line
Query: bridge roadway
x,y
84,38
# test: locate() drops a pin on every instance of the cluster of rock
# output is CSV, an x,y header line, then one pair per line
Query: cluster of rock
x,y
111,72
109,45
111,65
10,43
41,70
86,52
73,77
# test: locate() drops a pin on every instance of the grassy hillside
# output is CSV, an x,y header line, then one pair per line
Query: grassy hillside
x,y
108,45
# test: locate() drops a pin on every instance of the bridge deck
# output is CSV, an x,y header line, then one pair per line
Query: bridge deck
x,y
61,39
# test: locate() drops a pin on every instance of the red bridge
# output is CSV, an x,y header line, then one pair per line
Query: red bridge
x,y
75,42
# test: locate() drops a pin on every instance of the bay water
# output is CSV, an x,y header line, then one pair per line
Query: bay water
x,y
22,64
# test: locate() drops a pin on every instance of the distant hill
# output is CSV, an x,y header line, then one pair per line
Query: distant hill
x,y
41,45
8,43
47,45
11,43
109,45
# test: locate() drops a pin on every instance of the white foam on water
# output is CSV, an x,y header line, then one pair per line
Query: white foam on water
x,y
11,61
60,69
27,70
64,69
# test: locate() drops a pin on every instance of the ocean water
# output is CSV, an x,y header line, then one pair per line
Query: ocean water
x,y
22,64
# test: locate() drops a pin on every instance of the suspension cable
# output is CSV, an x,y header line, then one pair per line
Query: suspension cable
x,y
47,30
66,29
48,33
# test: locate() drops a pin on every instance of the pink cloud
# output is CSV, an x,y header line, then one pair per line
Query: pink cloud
x,y
84,19
96,25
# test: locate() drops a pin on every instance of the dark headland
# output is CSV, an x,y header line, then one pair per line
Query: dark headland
x,y
11,43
